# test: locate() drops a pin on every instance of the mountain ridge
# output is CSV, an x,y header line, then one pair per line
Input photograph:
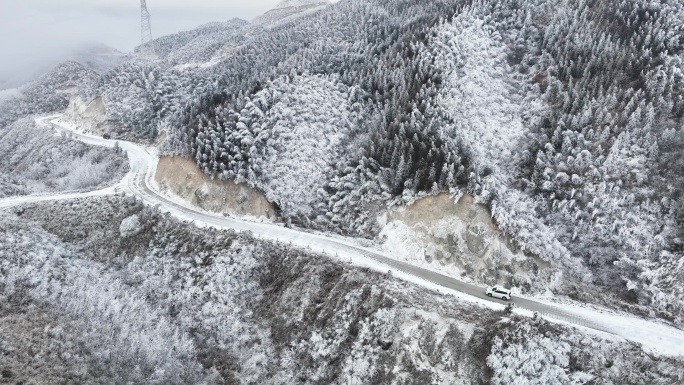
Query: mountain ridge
x,y
299,4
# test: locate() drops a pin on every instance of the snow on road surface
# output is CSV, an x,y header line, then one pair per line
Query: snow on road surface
x,y
654,336
19,200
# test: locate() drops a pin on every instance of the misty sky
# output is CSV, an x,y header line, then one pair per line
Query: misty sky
x,y
38,31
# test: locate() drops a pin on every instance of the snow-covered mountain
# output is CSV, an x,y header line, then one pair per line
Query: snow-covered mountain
x,y
49,93
533,143
288,10
98,57
300,3
201,44
573,150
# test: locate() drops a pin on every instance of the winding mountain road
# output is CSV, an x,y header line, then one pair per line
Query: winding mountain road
x,y
140,182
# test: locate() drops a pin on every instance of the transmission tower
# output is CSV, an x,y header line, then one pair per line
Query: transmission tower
x,y
146,26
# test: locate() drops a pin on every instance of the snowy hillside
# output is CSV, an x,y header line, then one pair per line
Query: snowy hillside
x,y
49,93
306,119
558,126
33,160
201,44
288,11
9,94
362,105
111,291
99,57
299,3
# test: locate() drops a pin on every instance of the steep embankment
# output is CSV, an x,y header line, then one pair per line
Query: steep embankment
x,y
460,239
91,115
181,177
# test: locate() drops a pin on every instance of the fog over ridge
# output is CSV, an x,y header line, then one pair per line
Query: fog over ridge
x,y
35,35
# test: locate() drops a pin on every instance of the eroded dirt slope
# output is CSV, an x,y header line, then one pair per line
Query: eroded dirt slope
x,y
181,177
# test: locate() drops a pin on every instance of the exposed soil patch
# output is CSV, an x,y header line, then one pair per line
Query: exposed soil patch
x,y
442,206
182,177
461,239
88,114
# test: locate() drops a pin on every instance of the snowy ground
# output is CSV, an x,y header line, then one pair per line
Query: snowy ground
x,y
653,336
